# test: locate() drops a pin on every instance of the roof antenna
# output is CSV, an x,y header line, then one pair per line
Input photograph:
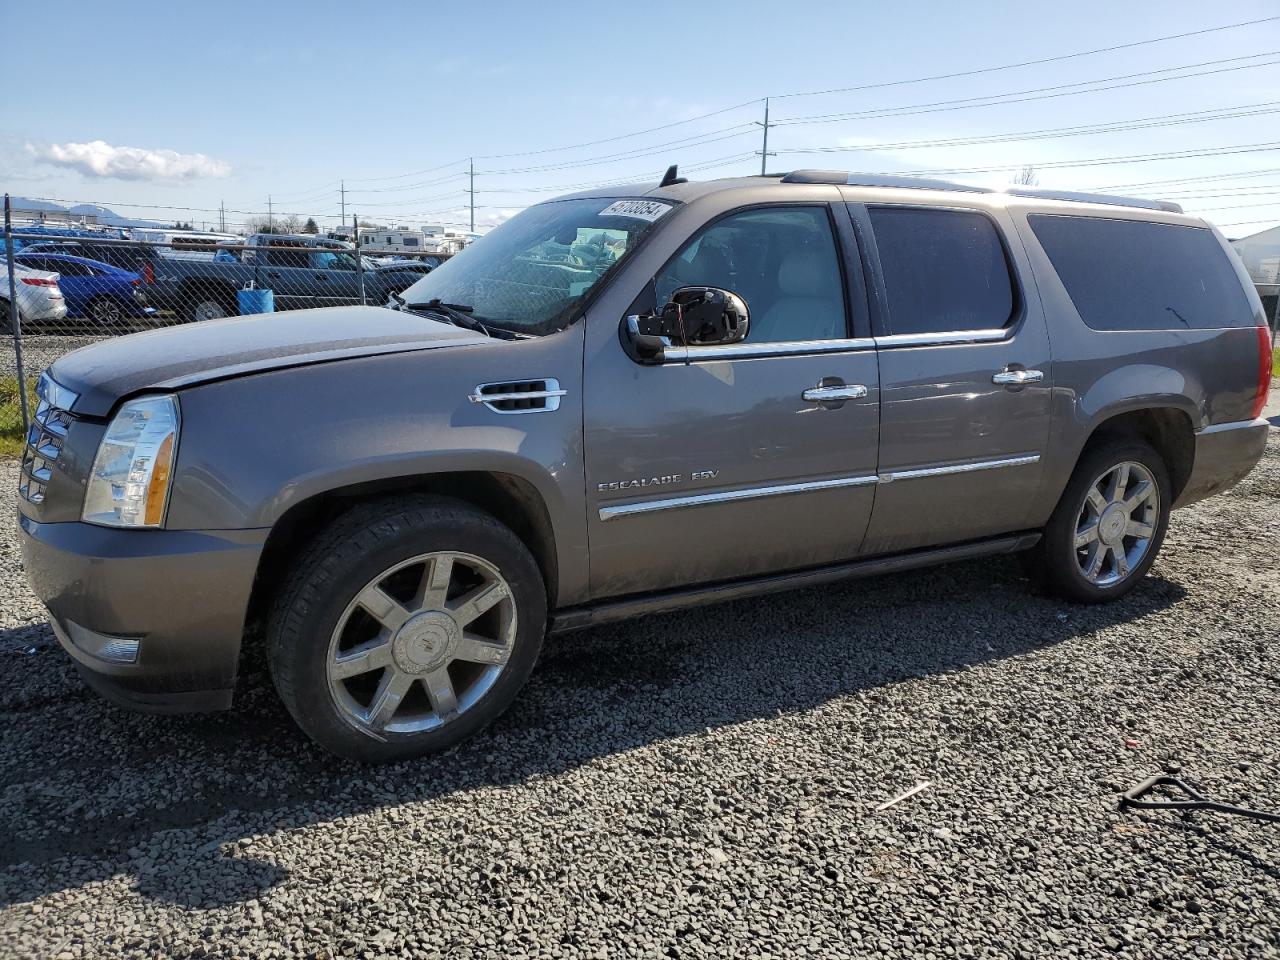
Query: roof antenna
x,y
669,178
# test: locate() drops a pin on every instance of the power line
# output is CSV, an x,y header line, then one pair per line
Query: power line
x,y
1235,148
849,89
1247,223
1267,171
1050,133
411,186
1240,206
1028,63
813,93
403,176
1041,93
700,140
624,136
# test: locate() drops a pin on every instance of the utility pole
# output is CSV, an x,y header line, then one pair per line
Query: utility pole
x,y
222,216
271,223
343,189
764,147
473,194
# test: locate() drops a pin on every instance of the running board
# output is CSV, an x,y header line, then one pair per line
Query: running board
x,y
591,615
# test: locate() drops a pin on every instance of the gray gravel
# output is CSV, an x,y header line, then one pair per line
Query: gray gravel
x,y
702,784
39,351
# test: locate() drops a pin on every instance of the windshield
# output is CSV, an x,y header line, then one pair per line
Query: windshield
x,y
530,274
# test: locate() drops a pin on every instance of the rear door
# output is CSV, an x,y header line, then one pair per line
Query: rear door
x,y
287,271
726,462
965,375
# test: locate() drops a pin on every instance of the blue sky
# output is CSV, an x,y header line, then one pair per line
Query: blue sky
x,y
192,105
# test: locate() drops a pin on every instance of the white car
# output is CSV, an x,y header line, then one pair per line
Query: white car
x,y
39,296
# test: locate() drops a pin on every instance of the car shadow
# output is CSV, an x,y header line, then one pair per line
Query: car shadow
x,y
98,794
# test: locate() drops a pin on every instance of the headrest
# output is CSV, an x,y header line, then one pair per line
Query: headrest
x,y
801,275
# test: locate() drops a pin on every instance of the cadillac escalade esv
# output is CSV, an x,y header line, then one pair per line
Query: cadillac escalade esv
x,y
632,400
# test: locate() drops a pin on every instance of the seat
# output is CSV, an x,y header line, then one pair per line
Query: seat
x,y
809,306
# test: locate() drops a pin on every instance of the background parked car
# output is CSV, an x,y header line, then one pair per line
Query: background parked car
x,y
97,291
39,297
126,256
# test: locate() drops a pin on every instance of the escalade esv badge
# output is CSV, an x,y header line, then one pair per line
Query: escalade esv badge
x,y
663,481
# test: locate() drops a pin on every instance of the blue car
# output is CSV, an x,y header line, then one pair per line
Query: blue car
x,y
93,290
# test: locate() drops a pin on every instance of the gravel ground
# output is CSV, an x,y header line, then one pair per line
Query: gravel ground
x,y
39,351
702,784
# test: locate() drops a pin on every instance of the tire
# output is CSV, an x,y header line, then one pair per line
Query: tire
x,y
326,609
106,312
1062,566
208,305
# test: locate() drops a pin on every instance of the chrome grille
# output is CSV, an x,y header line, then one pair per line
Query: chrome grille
x,y
45,436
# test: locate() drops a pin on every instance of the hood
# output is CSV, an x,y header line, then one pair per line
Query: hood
x,y
185,355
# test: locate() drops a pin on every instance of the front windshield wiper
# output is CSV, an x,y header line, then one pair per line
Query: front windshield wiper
x,y
459,314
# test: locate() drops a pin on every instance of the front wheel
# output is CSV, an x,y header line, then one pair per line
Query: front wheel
x,y
408,626
1107,528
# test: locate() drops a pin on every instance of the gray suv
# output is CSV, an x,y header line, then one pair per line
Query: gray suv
x,y
627,401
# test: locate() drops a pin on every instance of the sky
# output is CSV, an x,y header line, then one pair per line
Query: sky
x,y
169,110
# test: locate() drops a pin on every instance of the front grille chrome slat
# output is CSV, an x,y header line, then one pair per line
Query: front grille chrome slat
x,y
44,439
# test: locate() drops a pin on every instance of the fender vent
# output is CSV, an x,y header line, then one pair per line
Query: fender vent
x,y
520,396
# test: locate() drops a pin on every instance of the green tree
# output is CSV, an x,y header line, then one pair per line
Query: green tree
x,y
310,226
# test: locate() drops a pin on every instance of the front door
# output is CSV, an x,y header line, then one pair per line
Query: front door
x,y
965,377
729,463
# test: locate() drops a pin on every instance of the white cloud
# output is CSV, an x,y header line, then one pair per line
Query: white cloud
x,y
100,159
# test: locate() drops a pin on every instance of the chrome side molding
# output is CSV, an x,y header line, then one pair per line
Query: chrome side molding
x,y
729,496
782,489
1018,461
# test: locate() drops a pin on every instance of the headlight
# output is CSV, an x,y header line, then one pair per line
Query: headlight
x,y
129,484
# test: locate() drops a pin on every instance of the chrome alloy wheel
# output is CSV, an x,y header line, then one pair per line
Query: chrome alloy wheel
x,y
208,310
1117,523
421,643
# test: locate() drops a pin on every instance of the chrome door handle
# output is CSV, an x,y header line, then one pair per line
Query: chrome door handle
x,y
841,391
1016,378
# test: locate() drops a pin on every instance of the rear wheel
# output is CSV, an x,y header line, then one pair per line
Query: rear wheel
x,y
106,312
1109,525
407,627
209,305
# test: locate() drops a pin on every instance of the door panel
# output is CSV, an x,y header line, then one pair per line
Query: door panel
x,y
719,467
960,455
734,428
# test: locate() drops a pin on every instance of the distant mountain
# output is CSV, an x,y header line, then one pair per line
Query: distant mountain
x,y
105,215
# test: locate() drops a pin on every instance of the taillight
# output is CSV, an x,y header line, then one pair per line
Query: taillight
x,y
148,275
135,282
1264,371
39,282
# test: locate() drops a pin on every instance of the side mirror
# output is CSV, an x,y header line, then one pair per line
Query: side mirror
x,y
694,317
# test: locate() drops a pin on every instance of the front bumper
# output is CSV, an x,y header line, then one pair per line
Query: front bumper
x,y
1225,453
153,618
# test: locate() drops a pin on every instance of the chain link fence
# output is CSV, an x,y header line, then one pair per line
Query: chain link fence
x,y
72,290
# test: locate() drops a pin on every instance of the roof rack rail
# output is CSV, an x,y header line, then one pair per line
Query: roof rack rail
x,y
1039,193
924,183
876,180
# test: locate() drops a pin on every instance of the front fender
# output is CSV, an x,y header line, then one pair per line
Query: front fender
x,y
254,447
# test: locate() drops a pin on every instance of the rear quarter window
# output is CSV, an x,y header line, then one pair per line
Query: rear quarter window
x,y
1137,275
944,270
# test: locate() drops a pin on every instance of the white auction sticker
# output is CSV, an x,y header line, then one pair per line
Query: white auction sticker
x,y
636,209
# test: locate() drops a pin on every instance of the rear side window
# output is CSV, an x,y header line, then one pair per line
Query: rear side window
x,y
944,270
1135,275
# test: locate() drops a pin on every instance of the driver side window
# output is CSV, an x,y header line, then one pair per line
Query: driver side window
x,y
781,260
